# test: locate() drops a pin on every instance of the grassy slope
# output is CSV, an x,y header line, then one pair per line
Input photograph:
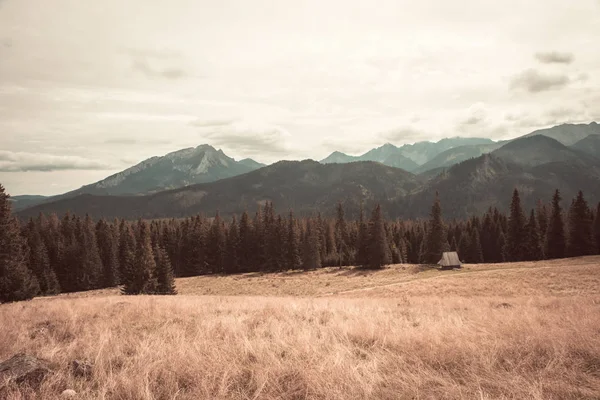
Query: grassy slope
x,y
513,331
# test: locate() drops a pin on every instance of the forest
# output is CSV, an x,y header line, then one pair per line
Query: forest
x,y
52,254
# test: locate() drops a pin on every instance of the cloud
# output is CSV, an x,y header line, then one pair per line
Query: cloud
x,y
534,81
250,142
553,57
133,141
405,134
22,162
143,66
212,123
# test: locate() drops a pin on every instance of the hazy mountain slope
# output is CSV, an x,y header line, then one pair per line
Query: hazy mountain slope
x,y
24,201
422,152
472,186
458,154
177,169
538,150
305,186
589,145
339,158
569,134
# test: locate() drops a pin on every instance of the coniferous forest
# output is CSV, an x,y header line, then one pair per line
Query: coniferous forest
x,y
52,254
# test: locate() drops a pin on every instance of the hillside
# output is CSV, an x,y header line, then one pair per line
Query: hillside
x,y
569,134
506,331
307,187
456,155
539,150
589,145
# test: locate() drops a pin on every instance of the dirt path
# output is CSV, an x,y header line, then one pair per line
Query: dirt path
x,y
454,273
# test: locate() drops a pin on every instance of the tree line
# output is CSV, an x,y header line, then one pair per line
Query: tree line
x,y
49,255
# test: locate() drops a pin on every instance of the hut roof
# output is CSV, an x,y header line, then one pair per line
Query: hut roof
x,y
450,259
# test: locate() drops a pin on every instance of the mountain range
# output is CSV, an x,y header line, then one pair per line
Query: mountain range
x,y
470,174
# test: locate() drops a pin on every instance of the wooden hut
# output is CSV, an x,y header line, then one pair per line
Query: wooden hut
x,y
450,260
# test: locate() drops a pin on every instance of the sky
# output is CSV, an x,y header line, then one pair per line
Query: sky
x,y
89,88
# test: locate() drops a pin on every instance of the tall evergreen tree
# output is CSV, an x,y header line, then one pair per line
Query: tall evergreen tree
x,y
165,280
436,241
516,237
246,244
379,252
142,277
581,240
39,261
555,237
16,280
311,255
362,251
341,236
534,250
597,228
475,251
232,248
216,246
108,249
293,258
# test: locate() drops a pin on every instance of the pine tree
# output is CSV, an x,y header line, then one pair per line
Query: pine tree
x,y
464,246
597,228
88,272
341,237
39,261
555,237
311,255
475,252
516,238
246,244
142,277
436,241
534,250
165,281
362,251
379,252
581,240
108,249
542,220
216,246
16,280
293,258
232,260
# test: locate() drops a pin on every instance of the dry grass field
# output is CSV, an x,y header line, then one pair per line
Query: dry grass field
x,y
509,331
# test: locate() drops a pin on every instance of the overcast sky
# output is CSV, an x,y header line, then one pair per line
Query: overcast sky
x,y
88,88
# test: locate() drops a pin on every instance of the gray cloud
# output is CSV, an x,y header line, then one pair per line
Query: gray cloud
x,y
212,123
22,162
534,81
143,66
555,57
131,141
404,135
249,142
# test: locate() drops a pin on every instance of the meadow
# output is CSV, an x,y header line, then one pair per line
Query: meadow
x,y
503,331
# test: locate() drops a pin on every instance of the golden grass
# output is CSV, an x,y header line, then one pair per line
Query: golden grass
x,y
515,331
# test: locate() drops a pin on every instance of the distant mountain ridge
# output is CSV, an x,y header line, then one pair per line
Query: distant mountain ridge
x,y
409,157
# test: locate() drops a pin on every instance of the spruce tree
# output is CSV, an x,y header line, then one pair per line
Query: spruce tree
x,y
341,236
232,248
311,255
475,252
436,240
362,251
581,240
378,248
108,248
16,280
246,244
39,262
516,235
142,277
534,250
293,259
555,237
165,280
216,246
597,229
